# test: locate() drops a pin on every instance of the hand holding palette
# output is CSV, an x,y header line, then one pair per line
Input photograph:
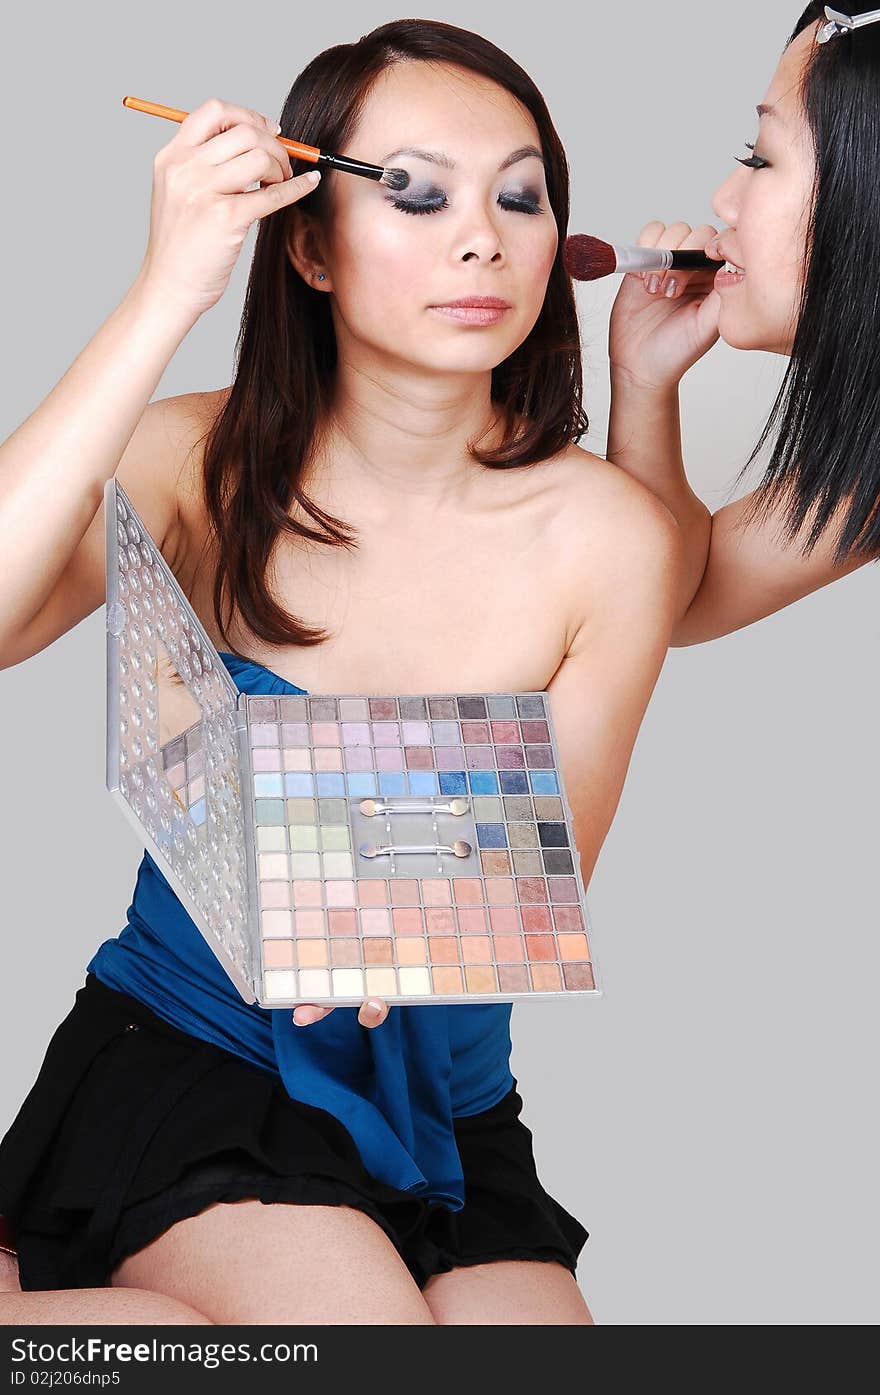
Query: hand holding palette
x,y
418,848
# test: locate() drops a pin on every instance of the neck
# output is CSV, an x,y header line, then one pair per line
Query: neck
x,y
407,432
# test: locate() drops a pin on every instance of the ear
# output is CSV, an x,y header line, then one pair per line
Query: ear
x,y
305,250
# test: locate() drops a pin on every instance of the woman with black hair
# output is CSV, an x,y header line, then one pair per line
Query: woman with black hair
x,y
802,248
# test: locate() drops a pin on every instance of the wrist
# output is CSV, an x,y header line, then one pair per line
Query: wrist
x,y
624,380
155,305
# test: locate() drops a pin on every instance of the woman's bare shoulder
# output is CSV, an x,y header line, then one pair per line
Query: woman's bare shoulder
x,y
615,543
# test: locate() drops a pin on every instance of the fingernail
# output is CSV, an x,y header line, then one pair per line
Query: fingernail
x,y
278,129
671,288
652,283
313,176
374,1008
307,1016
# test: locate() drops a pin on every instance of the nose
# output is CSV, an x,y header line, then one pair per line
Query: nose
x,y
725,200
479,238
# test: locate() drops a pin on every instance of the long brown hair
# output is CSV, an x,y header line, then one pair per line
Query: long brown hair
x,y
257,449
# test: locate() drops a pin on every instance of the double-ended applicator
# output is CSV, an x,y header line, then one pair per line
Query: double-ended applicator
x,y
589,258
392,178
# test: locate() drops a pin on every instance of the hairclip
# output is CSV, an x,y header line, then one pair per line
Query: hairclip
x,y
843,24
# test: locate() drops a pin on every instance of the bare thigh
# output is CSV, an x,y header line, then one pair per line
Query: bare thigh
x,y
507,1293
251,1262
77,1306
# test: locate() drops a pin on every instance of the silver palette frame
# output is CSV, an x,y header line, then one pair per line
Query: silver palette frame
x,y
214,874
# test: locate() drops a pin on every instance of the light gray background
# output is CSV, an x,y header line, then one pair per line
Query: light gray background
x,y
711,1119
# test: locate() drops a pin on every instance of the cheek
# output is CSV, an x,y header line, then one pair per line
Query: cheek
x,y
383,263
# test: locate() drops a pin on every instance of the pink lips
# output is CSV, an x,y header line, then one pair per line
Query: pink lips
x,y
474,309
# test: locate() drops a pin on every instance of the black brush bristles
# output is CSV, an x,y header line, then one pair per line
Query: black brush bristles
x,y
395,179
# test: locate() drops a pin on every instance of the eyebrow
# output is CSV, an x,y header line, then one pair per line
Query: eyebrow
x,y
438,157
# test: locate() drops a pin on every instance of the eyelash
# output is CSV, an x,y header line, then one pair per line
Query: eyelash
x,y
753,162
435,205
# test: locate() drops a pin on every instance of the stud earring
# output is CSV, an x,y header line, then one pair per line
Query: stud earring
x,y
320,276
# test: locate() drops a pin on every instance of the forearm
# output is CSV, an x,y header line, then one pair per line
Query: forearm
x,y
644,438
54,465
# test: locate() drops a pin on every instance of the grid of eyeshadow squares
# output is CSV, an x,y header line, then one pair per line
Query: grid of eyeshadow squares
x,y
183,761
516,928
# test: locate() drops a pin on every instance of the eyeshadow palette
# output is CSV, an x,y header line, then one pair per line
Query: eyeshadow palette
x,y
414,847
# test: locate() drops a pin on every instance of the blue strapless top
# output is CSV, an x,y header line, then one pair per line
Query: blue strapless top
x,y
396,1088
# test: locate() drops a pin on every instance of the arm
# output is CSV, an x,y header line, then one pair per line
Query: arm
x,y
644,439
599,693
753,571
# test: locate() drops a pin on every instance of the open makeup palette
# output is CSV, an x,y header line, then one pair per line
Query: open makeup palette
x,y
417,848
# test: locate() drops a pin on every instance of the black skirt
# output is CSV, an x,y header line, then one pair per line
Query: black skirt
x,y
132,1125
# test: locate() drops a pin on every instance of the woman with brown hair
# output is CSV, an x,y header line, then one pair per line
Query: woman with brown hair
x,y
388,498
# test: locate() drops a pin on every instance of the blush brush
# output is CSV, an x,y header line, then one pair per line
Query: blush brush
x,y
392,178
589,258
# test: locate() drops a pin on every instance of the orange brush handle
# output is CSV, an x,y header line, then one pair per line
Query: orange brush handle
x,y
293,147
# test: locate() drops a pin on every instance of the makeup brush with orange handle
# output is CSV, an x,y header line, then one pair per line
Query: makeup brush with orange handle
x,y
391,178
589,258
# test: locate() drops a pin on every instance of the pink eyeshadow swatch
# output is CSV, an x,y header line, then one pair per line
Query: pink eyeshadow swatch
x,y
505,921
533,731
536,919
473,732
477,949
568,918
540,947
378,952
468,891
472,921
532,889
545,978
339,893
504,731
439,922
405,893
578,976
513,978
308,923
358,758
325,734
307,893
480,758
264,758
390,759
372,893
443,949
562,889
345,954
500,891
342,922
386,734
419,758
449,758
274,894
408,922
383,708
278,954
447,980
328,758
436,893
509,948
375,923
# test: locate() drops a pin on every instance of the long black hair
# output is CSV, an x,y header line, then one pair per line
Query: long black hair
x,y
825,463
